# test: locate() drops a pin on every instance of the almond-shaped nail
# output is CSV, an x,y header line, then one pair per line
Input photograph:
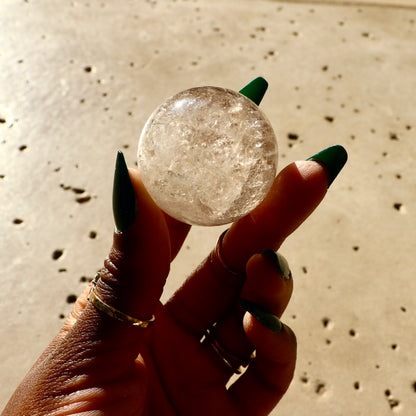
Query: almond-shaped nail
x,y
264,316
333,158
124,196
280,263
255,90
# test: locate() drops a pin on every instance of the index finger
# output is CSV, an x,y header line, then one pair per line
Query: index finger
x,y
296,193
211,290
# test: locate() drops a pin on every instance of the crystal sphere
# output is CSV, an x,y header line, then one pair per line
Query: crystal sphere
x,y
207,156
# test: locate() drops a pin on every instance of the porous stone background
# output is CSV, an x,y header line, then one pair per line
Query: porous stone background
x,y
78,80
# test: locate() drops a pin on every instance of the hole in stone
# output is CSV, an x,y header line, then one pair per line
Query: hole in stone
x,y
78,190
2,120
57,254
326,322
304,379
320,387
352,333
92,234
414,386
71,298
292,136
387,393
357,385
325,68
397,206
356,248
17,221
88,69
393,403
403,309
394,347
63,270
61,316
83,199
328,341
393,136
304,269
330,119
22,147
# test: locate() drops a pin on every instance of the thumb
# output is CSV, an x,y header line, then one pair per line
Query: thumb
x,y
96,357
135,271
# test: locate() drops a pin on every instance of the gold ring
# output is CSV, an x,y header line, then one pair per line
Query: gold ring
x,y
113,312
234,363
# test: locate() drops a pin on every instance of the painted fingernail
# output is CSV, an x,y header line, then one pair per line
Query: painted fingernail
x,y
255,90
333,158
264,316
279,261
124,197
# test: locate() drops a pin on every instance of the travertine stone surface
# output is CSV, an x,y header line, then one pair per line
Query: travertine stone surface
x,y
78,80
207,155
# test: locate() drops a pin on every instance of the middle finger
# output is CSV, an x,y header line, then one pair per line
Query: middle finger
x,y
269,284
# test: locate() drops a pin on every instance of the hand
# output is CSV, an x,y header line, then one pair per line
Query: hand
x,y
98,365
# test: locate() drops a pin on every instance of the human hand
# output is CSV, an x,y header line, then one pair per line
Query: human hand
x,y
98,365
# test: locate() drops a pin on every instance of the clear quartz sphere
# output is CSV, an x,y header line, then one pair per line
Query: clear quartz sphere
x,y
207,156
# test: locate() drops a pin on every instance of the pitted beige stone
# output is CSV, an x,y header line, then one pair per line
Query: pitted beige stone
x,y
78,81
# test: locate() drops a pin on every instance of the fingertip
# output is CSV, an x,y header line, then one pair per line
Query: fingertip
x,y
278,347
266,284
333,159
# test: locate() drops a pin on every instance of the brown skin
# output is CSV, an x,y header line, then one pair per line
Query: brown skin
x,y
98,366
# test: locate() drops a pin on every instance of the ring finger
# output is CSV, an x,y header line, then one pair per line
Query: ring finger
x,y
269,284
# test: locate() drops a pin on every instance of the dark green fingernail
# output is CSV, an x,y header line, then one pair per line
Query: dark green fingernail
x,y
124,197
333,158
255,90
264,316
280,262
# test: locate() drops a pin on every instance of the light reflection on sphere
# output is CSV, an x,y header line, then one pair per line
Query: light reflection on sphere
x,y
207,156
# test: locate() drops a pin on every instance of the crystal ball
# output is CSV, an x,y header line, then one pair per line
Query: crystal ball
x,y
207,156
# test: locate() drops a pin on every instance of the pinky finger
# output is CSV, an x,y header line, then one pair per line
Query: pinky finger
x,y
269,375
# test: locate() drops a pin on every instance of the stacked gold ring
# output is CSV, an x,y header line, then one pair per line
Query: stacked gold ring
x,y
103,307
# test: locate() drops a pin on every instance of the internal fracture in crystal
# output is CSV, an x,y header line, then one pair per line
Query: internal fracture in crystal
x,y
207,156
